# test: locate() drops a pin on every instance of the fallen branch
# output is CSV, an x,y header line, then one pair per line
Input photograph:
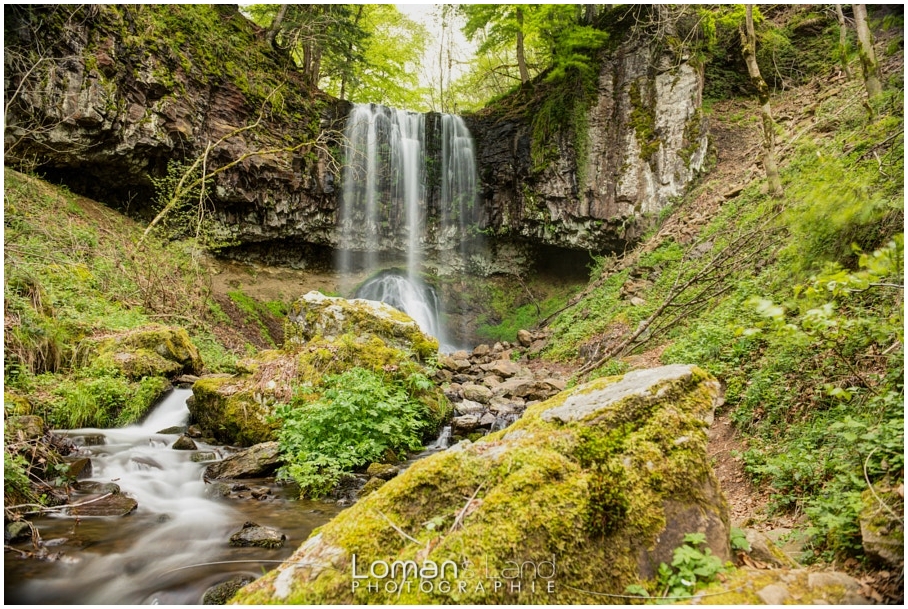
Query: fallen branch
x,y
398,529
463,511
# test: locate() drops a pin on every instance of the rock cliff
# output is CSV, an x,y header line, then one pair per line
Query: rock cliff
x,y
105,98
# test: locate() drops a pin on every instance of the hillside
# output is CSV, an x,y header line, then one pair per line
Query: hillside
x,y
793,303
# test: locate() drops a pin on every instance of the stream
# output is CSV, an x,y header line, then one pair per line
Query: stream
x,y
174,546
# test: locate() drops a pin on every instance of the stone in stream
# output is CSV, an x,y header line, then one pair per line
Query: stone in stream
x,y
253,534
589,486
221,594
114,504
477,393
176,429
17,530
382,470
468,407
256,461
184,442
79,467
94,487
203,456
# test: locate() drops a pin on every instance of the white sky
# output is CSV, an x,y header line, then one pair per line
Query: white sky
x,y
427,14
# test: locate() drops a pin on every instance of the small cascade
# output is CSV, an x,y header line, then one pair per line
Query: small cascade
x,y
443,440
409,188
173,546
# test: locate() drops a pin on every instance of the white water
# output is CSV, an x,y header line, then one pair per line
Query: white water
x,y
385,201
157,554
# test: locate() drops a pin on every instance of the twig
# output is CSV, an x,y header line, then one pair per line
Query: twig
x,y
44,508
873,492
463,510
398,529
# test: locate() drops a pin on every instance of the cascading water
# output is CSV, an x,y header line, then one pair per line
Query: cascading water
x,y
173,546
391,197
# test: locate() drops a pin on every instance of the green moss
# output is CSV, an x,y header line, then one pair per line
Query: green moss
x,y
643,121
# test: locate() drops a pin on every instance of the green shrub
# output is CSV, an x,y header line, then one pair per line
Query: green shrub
x,y
360,417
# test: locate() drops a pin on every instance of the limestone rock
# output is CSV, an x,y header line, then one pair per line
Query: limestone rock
x,y
229,410
464,424
765,551
468,407
774,594
318,315
255,462
603,481
254,535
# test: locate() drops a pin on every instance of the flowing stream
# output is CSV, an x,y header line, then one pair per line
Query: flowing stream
x,y
164,551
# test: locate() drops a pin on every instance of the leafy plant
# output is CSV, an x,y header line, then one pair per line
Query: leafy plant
x,y
691,567
359,417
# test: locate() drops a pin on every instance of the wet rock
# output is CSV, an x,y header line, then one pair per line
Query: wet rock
x,y
255,462
184,442
538,489
524,338
487,420
221,594
186,379
94,439
253,534
477,393
176,429
372,485
79,467
96,488
203,456
194,431
114,504
261,492
382,470
17,530
239,487
217,489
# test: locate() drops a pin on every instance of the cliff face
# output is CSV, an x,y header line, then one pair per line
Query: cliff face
x,y
97,102
645,139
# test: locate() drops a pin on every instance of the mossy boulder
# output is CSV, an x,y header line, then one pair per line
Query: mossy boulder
x,y
318,315
588,492
882,527
153,350
241,409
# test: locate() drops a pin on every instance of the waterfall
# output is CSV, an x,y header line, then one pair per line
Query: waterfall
x,y
407,189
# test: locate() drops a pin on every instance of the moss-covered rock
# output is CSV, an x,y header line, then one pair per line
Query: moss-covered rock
x,y
318,315
153,350
589,491
882,527
360,333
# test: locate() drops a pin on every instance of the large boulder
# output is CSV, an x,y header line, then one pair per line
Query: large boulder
x,y
329,317
153,350
589,491
255,462
325,336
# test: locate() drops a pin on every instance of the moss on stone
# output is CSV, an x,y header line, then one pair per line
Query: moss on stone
x,y
152,350
643,122
538,491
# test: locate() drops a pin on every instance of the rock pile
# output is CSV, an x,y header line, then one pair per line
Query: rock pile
x,y
489,390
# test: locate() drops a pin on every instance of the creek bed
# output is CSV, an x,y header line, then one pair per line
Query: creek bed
x,y
174,546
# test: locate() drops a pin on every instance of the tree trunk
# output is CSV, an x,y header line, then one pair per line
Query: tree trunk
x,y
276,25
359,14
843,40
521,59
749,48
868,56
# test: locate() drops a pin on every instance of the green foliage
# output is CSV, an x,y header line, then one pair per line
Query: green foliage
x,y
359,417
255,312
738,540
691,568
15,478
